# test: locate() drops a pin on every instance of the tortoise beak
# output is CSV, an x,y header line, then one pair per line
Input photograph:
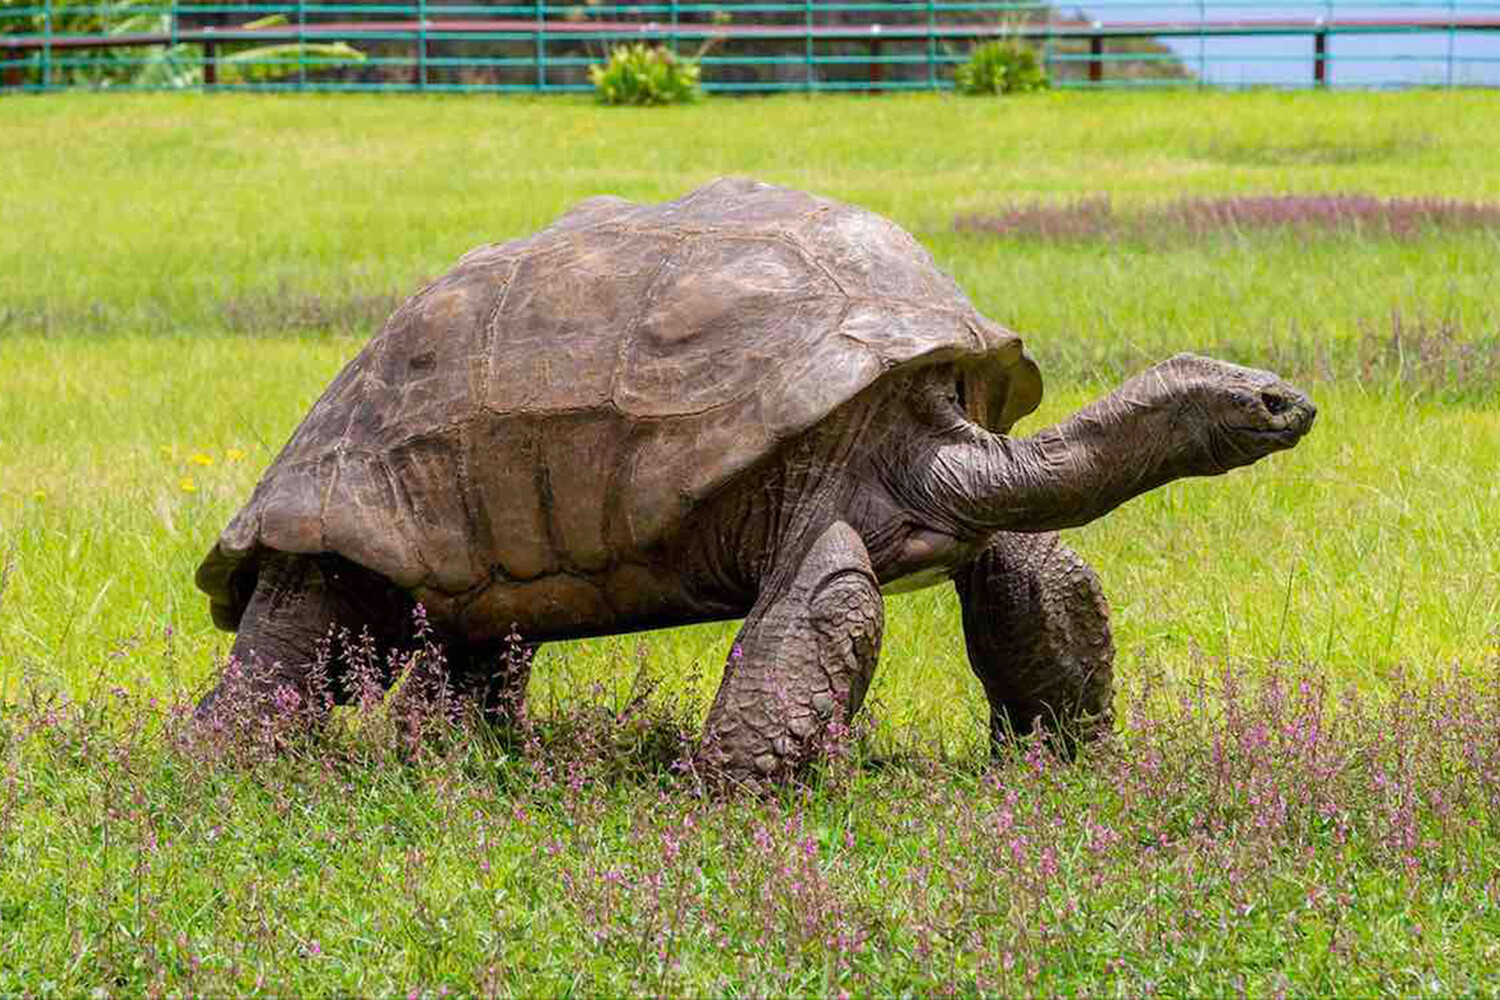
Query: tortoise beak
x,y
1290,413
1300,417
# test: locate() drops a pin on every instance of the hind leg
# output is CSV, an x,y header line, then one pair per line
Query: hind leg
x,y
1037,628
299,601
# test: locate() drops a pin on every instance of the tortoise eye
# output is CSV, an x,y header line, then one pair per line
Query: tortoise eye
x,y
1274,403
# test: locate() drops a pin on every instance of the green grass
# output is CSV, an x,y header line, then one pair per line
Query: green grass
x,y
181,276
155,214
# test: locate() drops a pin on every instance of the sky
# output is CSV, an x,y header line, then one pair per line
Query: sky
x,y
1360,60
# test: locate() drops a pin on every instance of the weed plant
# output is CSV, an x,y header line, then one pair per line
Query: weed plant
x,y
1095,219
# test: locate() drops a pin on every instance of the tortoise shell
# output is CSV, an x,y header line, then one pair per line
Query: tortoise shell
x,y
565,399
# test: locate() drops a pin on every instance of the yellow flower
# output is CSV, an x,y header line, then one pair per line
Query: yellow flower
x,y
39,496
233,455
201,459
187,484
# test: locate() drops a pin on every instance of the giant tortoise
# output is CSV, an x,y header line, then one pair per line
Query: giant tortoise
x,y
750,402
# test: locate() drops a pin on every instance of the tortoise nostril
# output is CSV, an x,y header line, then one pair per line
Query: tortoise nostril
x,y
1275,404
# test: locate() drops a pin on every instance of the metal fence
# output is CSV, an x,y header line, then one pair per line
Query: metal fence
x,y
742,47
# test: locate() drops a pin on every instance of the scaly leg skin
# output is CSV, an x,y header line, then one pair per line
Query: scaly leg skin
x,y
1037,628
299,601
803,660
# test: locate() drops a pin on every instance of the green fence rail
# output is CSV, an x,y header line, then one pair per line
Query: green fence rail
x,y
743,47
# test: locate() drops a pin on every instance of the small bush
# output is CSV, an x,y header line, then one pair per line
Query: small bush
x,y
1002,67
641,74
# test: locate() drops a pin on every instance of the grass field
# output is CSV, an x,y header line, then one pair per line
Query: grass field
x,y
1304,790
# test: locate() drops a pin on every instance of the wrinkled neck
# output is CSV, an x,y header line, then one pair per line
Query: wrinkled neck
x,y
1069,474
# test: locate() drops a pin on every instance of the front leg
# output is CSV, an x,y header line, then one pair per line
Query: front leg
x,y
803,660
299,603
1037,628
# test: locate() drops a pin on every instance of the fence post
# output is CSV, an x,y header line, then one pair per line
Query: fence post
x,y
1096,56
807,54
932,80
15,72
1047,43
1320,55
539,23
1202,43
301,44
421,44
47,44
1452,16
673,37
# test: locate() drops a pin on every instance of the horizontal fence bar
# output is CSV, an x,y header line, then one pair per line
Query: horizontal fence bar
x,y
741,47
454,31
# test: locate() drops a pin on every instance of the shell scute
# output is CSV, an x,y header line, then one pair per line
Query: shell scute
x,y
428,472
723,314
501,458
554,343
365,521
578,452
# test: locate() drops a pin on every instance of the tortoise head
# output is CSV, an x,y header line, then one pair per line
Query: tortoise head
x,y
1219,415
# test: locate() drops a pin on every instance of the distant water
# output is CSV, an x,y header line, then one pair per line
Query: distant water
x,y
1398,59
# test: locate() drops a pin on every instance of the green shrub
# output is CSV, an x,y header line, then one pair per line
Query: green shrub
x,y
1002,67
162,67
641,74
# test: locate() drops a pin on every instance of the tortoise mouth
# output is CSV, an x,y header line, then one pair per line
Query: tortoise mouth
x,y
1286,435
1290,419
